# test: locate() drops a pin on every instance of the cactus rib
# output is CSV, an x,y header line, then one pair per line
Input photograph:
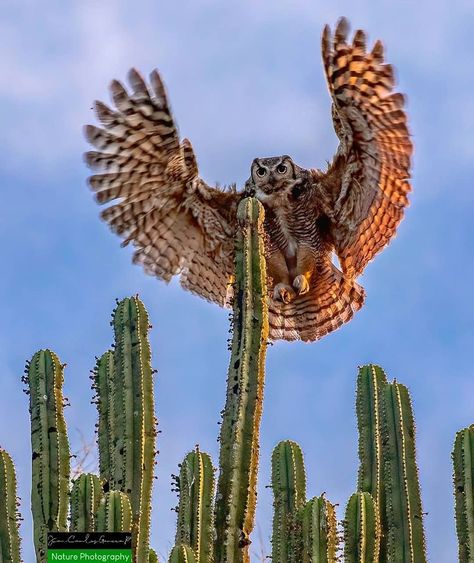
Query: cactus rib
x,y
236,495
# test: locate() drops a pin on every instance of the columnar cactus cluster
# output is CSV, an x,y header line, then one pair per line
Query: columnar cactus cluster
x,y
383,521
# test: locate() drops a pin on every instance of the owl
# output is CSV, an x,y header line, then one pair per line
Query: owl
x,y
181,226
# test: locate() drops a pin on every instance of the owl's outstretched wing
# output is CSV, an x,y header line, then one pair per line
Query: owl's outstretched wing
x,y
177,223
364,191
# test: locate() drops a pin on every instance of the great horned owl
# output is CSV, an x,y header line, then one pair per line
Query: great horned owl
x,y
180,225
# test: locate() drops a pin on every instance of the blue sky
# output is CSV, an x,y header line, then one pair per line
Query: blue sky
x,y
245,80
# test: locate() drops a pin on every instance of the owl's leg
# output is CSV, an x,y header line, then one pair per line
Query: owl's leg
x,y
303,270
278,270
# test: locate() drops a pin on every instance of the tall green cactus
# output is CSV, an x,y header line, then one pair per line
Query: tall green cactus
x,y
104,384
405,542
9,516
370,382
361,530
318,529
195,511
463,463
51,454
182,554
236,491
127,425
289,495
86,495
114,513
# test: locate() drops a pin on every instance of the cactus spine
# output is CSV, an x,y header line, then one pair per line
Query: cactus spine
x,y
85,498
127,425
236,494
9,517
182,554
51,454
195,512
463,462
318,531
289,494
405,542
114,513
361,530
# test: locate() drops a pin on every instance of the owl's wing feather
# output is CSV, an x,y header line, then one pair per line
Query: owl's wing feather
x,y
177,223
364,191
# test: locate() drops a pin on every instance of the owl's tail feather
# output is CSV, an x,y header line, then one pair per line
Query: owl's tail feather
x,y
331,302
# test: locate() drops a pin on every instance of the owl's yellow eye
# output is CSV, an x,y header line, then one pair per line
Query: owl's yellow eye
x,y
261,172
281,168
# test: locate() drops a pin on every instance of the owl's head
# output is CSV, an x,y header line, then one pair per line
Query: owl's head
x,y
273,177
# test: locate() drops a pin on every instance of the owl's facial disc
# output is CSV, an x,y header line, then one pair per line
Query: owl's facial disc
x,y
272,176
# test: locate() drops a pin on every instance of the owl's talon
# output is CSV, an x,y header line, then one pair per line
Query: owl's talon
x,y
301,284
283,292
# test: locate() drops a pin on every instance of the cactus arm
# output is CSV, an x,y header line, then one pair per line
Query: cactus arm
x,y
182,554
86,494
106,428
114,513
195,511
317,521
9,517
152,556
236,495
406,543
289,493
463,464
361,530
51,454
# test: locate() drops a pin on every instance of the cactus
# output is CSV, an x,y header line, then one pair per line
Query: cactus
x,y
195,512
127,425
114,513
318,527
182,554
9,517
371,381
85,498
463,463
51,455
405,541
289,494
106,427
152,556
361,530
236,491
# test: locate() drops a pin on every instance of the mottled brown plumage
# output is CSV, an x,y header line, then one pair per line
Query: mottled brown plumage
x,y
179,225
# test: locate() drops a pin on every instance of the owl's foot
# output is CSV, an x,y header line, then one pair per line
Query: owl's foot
x,y
301,284
283,292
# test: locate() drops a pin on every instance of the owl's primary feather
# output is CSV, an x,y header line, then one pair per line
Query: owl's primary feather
x,y
179,225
